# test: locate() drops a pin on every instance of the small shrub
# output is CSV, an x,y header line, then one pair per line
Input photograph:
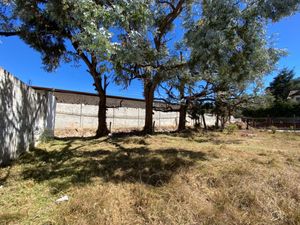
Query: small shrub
x,y
46,136
230,128
273,129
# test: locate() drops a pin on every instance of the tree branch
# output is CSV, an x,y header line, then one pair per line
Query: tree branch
x,y
166,109
168,3
166,22
9,34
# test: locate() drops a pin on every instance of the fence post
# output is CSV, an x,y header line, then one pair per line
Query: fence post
x,y
80,118
113,119
139,118
159,119
295,124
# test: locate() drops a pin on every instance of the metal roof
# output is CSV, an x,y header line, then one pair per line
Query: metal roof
x,y
82,93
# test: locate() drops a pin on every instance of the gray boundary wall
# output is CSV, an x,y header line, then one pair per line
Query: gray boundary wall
x,y
25,115
85,116
78,110
73,116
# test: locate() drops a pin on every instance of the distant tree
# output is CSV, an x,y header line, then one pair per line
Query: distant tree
x,y
296,84
282,84
260,101
197,110
277,109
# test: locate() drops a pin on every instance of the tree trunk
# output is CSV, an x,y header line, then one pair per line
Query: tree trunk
x,y
204,122
102,129
183,108
223,121
182,117
217,121
149,88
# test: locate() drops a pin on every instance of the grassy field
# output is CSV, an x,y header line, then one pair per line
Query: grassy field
x,y
191,178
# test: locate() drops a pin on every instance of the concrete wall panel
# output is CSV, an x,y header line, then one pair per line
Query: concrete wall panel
x,y
85,116
24,116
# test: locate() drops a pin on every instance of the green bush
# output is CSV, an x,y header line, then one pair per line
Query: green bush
x,y
278,109
46,136
230,128
273,129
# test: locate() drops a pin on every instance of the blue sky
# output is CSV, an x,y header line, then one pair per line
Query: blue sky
x,y
25,63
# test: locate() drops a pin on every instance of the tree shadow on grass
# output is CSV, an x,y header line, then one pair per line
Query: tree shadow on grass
x,y
9,218
219,141
69,166
5,175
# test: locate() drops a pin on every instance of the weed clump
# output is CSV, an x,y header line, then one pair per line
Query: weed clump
x,y
231,128
273,129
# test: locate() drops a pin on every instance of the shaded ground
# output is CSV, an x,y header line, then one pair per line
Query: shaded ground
x,y
189,178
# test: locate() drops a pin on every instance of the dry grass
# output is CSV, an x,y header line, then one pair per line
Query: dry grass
x,y
189,178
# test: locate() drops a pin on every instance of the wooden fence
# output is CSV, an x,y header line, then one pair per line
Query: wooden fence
x,y
282,123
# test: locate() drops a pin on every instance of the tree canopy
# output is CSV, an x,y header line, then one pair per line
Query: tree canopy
x,y
283,84
223,42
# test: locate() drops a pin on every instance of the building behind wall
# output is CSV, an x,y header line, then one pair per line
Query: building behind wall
x,y
294,96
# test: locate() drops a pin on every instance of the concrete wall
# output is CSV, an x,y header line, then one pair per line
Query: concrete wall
x,y
70,116
80,110
24,116
85,116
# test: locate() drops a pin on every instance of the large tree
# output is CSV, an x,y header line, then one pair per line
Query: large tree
x,y
147,50
230,50
227,43
178,90
70,30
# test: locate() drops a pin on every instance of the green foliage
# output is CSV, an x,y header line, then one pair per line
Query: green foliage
x,y
273,129
46,136
282,84
224,42
230,128
230,50
199,108
146,51
228,44
276,9
62,30
278,109
296,84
